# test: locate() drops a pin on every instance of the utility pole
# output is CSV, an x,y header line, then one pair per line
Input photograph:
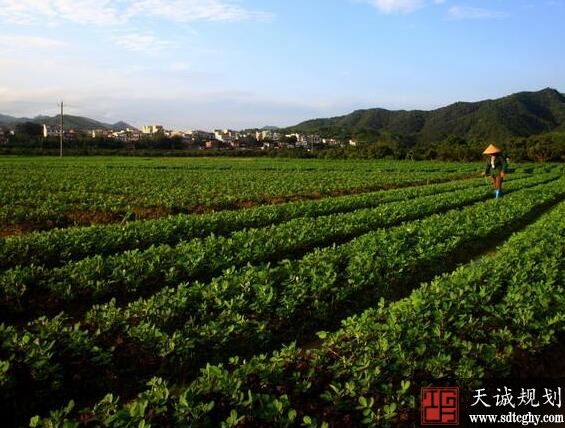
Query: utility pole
x,y
61,133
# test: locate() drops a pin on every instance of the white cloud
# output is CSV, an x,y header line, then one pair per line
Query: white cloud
x,y
400,6
464,12
24,11
68,78
84,12
179,67
94,12
12,41
117,12
142,42
194,10
140,95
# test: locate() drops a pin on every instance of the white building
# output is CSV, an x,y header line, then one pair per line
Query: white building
x,y
226,135
152,129
49,131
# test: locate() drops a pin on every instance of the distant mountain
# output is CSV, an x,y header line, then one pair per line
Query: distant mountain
x,y
121,125
519,115
5,119
70,122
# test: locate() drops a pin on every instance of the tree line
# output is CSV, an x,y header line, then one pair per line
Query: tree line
x,y
27,138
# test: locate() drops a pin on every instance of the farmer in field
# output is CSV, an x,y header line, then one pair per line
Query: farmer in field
x,y
496,167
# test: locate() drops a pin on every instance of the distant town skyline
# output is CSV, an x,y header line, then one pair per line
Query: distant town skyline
x,y
216,64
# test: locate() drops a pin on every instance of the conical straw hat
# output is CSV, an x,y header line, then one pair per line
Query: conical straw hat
x,y
491,150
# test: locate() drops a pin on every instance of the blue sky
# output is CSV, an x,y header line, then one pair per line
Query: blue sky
x,y
248,63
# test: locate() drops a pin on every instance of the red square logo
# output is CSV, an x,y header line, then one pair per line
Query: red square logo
x,y
439,405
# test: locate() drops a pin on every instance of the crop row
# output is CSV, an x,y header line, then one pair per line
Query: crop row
x,y
250,309
247,308
30,288
253,305
165,265
468,324
60,246
44,195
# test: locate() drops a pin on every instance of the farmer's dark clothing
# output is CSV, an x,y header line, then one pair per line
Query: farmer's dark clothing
x,y
496,165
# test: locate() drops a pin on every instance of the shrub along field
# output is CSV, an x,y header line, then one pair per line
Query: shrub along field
x,y
254,292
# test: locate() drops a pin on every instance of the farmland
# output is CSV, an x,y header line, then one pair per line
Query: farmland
x,y
253,292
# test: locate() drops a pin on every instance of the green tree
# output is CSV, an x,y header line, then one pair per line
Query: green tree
x,y
29,129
